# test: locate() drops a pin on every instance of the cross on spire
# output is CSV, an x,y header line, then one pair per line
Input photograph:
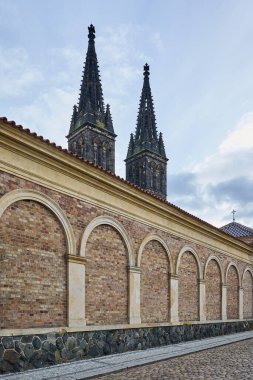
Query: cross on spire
x,y
146,70
91,34
233,212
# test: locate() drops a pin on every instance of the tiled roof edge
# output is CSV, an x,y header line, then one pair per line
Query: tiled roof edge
x,y
66,151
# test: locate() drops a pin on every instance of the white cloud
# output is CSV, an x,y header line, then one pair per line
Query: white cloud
x,y
9,11
66,66
156,39
223,181
17,73
121,62
241,137
48,115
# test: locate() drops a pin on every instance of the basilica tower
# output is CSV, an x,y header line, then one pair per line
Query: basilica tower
x,y
146,162
91,133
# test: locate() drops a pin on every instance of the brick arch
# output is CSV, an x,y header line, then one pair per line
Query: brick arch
x,y
194,253
237,270
213,276
245,270
34,245
233,283
106,275
27,194
212,257
247,284
107,220
189,273
155,237
154,260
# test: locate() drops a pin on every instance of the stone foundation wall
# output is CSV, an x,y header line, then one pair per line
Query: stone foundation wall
x,y
20,353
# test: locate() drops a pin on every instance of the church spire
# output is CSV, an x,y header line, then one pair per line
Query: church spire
x,y
146,160
91,94
91,134
146,133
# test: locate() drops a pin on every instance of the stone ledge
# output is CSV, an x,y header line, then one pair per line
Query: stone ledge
x,y
62,329
23,352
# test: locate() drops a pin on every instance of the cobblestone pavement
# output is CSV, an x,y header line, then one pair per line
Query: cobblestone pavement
x,y
231,362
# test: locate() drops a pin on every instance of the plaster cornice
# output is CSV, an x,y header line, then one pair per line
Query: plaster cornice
x,y
31,157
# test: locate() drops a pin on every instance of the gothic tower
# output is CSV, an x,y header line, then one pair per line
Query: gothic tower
x,y
146,162
91,133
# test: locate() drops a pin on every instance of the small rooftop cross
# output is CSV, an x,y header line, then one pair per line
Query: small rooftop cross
x,y
233,212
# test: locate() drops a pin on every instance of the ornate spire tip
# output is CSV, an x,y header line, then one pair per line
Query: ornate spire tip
x,y
91,34
146,70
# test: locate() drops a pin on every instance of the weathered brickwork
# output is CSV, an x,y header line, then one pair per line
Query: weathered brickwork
x,y
113,255
213,291
33,267
232,293
247,295
188,294
155,270
106,277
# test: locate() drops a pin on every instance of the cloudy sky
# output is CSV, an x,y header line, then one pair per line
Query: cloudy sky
x,y
201,62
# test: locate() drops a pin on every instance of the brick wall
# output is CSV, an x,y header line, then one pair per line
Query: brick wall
x,y
232,294
247,295
106,277
213,291
188,294
33,267
112,256
154,283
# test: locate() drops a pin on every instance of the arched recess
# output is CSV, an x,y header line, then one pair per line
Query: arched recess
x,y
36,240
113,223
233,283
27,194
148,238
189,273
213,276
108,251
154,259
247,285
193,252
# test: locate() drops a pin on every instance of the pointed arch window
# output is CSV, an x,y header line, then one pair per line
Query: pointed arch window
x,y
109,158
139,181
104,157
151,179
161,180
133,174
95,156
